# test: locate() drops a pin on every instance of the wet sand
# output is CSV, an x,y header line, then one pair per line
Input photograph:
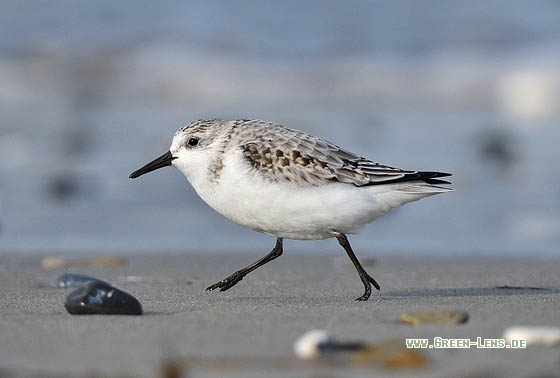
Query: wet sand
x,y
249,330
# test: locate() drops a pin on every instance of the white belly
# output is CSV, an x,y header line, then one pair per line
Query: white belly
x,y
296,213
293,211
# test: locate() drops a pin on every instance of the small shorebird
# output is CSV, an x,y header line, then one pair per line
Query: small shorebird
x,y
289,184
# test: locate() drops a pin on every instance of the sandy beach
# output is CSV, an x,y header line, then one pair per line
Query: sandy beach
x,y
249,331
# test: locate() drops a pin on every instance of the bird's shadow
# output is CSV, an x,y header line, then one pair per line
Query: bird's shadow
x,y
471,292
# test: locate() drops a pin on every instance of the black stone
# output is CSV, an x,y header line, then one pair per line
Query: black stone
x,y
74,280
101,298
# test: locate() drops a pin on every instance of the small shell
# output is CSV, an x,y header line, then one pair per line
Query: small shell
x,y
534,335
310,344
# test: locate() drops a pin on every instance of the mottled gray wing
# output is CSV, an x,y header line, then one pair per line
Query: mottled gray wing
x,y
282,154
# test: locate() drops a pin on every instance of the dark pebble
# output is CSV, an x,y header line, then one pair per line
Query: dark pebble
x,y
74,280
101,298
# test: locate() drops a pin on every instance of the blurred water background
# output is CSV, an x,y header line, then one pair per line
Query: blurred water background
x,y
90,91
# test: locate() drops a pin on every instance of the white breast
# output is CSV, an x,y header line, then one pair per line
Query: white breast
x,y
290,210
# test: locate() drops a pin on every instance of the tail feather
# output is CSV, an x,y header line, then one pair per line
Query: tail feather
x,y
423,183
420,188
428,177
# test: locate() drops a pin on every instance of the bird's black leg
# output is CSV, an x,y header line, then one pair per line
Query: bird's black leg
x,y
232,280
367,280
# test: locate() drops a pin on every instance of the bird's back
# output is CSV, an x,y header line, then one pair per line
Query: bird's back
x,y
283,154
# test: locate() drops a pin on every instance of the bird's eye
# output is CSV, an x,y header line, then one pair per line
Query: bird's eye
x,y
192,142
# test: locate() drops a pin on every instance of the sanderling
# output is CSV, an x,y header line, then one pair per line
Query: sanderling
x,y
288,184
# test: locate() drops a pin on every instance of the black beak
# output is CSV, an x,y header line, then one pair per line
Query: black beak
x,y
162,161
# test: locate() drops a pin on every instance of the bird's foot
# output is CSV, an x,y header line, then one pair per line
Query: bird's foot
x,y
227,283
368,281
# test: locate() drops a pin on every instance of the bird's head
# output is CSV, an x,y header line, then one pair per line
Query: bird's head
x,y
191,148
